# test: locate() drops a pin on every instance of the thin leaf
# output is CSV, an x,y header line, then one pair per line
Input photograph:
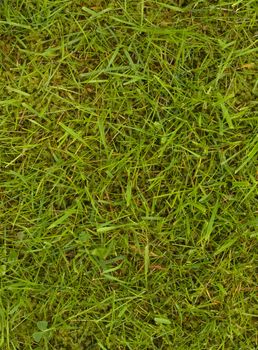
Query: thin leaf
x,y
128,193
170,7
60,220
112,278
74,134
146,263
249,157
105,229
226,115
210,225
225,246
161,320
14,24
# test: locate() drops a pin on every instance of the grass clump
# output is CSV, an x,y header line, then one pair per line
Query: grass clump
x,y
128,183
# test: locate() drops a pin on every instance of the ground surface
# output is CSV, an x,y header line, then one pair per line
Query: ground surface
x,y
128,180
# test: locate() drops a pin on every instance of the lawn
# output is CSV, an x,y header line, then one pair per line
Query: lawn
x,y
128,175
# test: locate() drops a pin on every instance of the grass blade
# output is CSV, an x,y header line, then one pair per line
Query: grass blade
x,y
62,218
209,228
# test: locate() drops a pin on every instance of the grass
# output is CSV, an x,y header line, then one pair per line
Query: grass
x,y
128,180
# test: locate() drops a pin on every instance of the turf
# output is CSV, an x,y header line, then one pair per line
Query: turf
x,y
128,179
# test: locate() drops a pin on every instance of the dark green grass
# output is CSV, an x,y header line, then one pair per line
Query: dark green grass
x,y
128,179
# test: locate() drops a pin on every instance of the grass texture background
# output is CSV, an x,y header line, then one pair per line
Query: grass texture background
x,y
128,174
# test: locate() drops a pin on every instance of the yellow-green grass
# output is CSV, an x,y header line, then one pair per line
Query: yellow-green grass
x,y
128,179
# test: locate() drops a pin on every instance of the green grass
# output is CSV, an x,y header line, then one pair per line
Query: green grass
x,y
128,179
